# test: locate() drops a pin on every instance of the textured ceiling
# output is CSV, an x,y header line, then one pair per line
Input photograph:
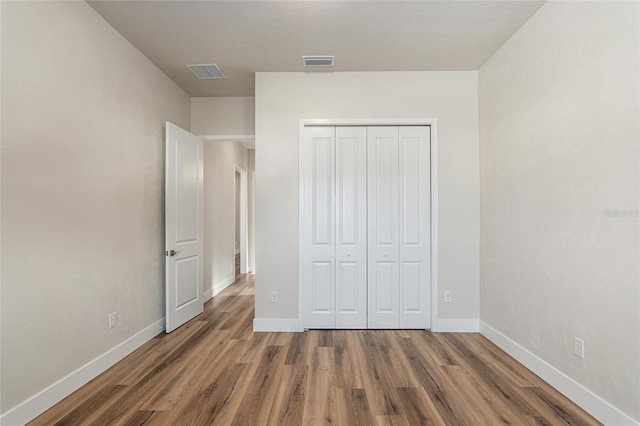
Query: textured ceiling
x,y
243,37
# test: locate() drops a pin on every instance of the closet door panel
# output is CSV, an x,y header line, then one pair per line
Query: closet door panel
x,y
351,227
383,227
415,239
319,228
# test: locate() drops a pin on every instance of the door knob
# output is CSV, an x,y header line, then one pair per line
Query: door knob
x,y
172,252
386,254
348,254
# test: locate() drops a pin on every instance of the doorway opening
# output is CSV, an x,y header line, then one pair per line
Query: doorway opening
x,y
241,220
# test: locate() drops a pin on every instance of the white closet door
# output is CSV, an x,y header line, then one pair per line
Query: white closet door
x,y
383,227
351,227
415,220
319,228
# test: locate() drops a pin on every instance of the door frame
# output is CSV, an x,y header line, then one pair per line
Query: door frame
x,y
433,125
244,217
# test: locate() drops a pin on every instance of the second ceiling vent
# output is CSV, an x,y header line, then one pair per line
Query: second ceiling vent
x,y
318,61
206,71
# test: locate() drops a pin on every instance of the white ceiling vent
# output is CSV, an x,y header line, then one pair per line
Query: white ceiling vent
x,y
206,71
318,61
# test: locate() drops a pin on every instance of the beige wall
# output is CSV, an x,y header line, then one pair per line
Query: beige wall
x,y
559,148
82,179
282,99
219,187
223,116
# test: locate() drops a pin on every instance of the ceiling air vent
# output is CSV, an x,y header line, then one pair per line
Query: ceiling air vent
x,y
318,61
206,71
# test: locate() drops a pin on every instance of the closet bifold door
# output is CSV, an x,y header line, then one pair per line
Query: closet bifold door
x,y
319,227
383,227
399,241
415,221
351,227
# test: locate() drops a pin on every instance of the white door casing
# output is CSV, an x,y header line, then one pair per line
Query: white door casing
x,y
183,226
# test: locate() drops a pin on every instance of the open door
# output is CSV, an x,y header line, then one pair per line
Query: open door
x,y
183,226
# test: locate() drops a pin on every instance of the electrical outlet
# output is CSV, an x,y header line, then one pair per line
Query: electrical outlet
x,y
274,297
113,320
448,297
578,347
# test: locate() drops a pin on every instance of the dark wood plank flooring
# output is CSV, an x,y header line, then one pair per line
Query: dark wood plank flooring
x,y
216,371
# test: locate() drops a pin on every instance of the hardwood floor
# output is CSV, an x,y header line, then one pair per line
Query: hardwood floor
x,y
216,371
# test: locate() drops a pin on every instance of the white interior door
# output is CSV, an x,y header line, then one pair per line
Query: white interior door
x,y
319,230
183,226
383,225
351,227
415,220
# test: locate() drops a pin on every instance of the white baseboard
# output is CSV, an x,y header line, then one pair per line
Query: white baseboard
x,y
207,294
586,399
276,324
446,325
221,285
47,398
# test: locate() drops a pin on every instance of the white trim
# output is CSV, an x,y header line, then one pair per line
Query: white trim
x,y
450,325
434,221
433,123
47,398
276,325
221,285
301,156
207,295
252,234
586,399
228,137
368,122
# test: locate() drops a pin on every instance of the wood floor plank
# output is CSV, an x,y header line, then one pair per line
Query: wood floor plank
x,y
483,408
215,370
296,351
352,407
418,408
440,353
555,411
349,359
140,418
491,378
204,407
259,395
397,420
90,408
192,377
436,386
320,398
288,406
383,399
